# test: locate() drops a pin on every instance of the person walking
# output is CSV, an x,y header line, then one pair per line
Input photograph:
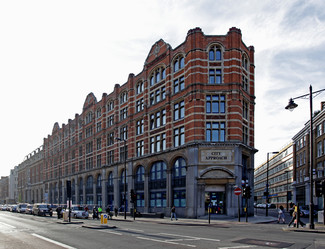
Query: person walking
x,y
281,215
294,218
173,213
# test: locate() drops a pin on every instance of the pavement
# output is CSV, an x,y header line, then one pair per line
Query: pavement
x,y
220,220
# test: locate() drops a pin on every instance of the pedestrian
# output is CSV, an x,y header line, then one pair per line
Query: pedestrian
x,y
115,211
100,210
294,218
58,211
95,212
108,211
173,213
86,208
281,215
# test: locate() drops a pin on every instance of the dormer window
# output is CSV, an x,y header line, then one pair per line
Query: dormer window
x,y
123,97
178,63
157,75
215,53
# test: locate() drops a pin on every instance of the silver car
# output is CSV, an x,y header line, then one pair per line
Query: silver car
x,y
79,212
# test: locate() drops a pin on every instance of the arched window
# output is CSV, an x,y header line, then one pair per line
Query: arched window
x,y
178,63
99,190
139,186
140,87
89,190
157,184
157,75
81,184
179,183
122,188
215,53
110,105
110,189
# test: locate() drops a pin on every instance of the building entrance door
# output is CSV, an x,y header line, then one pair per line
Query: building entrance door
x,y
216,202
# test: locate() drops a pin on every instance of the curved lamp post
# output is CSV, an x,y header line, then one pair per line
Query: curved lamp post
x,y
292,105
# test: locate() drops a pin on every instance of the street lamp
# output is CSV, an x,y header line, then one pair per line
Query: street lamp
x,y
292,105
122,139
267,183
287,171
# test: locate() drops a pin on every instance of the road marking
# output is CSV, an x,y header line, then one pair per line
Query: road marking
x,y
166,241
105,231
53,241
234,247
7,225
191,237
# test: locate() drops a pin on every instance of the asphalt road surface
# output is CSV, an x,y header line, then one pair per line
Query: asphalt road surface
x,y
19,231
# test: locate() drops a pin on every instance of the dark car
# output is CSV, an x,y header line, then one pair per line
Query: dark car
x,y
304,211
42,209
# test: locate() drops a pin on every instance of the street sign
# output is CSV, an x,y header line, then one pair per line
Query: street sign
x,y
237,191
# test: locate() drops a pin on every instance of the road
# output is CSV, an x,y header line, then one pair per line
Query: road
x,y
26,231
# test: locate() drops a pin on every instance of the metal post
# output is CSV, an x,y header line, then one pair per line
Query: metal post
x,y
238,208
124,179
267,187
311,205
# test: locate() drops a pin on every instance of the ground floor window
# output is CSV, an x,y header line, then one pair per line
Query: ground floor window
x,y
180,198
140,199
158,199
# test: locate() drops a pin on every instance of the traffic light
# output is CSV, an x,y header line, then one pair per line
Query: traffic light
x,y
133,196
248,192
318,189
245,192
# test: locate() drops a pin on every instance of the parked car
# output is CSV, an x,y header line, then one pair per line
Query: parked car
x,y
29,209
79,212
13,208
21,207
4,208
42,209
304,211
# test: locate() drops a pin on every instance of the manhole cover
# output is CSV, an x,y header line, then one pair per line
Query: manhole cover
x,y
269,243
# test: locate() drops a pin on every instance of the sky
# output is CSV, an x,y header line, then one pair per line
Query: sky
x,y
54,53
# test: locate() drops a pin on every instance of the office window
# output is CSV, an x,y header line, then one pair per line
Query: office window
x,y
110,138
215,104
110,121
139,105
157,119
124,133
245,110
158,143
179,84
140,127
99,113
245,135
215,131
110,157
99,126
179,110
319,149
99,143
245,62
158,95
123,113
179,136
319,130
245,82
215,76
89,117
140,148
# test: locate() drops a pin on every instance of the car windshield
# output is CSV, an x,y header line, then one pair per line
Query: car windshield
x,y
23,205
42,206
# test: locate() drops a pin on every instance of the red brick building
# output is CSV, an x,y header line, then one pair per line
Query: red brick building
x,y
185,125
